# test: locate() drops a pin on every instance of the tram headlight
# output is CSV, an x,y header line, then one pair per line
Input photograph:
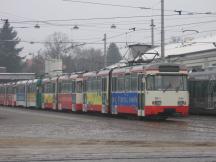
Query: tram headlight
x,y
181,103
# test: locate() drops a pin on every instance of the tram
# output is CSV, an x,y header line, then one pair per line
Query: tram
x,y
156,90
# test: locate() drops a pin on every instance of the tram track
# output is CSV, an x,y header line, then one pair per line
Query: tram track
x,y
188,125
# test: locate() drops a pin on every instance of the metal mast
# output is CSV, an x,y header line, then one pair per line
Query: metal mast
x,y
162,31
152,32
105,53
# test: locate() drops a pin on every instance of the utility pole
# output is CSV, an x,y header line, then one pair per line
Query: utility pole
x,y
162,31
152,32
105,52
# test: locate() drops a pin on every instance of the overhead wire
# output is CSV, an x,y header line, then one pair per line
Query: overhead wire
x,y
135,7
107,4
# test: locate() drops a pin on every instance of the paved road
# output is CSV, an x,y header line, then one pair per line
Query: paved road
x,y
33,135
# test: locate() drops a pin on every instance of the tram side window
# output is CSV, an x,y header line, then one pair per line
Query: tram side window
x,y
72,87
120,84
10,90
127,82
93,85
29,88
63,86
85,86
59,87
21,89
114,83
134,83
45,88
52,87
104,84
79,87
33,88
140,82
88,85
99,84
150,83
49,88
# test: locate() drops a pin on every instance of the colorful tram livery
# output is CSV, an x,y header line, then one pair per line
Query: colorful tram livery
x,y
150,90
202,87
49,93
34,93
70,92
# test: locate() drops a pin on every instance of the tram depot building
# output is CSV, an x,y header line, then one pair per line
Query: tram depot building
x,y
196,54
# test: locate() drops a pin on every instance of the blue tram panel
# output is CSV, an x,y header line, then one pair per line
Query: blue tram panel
x,y
125,99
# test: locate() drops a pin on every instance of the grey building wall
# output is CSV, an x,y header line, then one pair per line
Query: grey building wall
x,y
195,60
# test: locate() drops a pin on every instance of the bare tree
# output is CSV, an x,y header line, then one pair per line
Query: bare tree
x,y
84,60
57,45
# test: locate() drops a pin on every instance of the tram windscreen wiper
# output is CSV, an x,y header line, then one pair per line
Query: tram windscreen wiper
x,y
169,85
179,86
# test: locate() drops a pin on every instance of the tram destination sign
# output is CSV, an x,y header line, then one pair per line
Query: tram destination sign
x,y
169,68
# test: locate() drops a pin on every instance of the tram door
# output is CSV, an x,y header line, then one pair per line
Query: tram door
x,y
141,94
104,95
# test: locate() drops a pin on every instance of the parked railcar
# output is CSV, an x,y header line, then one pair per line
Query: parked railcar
x,y
104,76
202,87
65,89
21,93
70,92
49,93
10,94
92,100
34,93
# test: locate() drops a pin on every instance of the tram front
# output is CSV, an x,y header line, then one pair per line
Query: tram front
x,y
166,90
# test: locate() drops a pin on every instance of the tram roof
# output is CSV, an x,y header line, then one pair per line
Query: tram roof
x,y
64,77
90,74
188,47
22,82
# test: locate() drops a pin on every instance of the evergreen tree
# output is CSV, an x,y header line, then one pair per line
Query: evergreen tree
x,y
113,54
9,53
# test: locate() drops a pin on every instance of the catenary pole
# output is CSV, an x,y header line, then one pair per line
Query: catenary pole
x,y
162,31
105,51
152,32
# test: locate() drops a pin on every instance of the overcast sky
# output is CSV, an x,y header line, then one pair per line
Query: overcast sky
x,y
18,11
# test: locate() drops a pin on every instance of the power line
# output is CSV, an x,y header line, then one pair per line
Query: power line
x,y
88,19
108,4
180,12
99,18
171,26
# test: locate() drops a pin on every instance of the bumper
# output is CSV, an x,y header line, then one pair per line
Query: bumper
x,y
166,110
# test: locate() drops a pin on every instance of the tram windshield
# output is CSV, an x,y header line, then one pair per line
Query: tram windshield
x,y
167,82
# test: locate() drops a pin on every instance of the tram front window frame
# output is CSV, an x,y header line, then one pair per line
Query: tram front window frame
x,y
166,82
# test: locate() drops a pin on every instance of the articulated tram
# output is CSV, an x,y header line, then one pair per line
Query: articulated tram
x,y
146,90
